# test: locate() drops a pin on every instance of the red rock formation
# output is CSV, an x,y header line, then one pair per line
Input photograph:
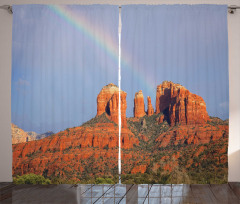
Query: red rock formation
x,y
139,169
18,135
150,110
192,134
108,100
69,147
160,119
179,105
139,109
92,149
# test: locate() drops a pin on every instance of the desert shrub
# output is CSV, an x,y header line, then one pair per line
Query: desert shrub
x,y
104,181
178,175
215,121
31,179
98,119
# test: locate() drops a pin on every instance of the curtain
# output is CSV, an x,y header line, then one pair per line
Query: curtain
x,y
175,72
64,65
173,99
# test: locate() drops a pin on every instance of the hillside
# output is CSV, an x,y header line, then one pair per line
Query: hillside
x,y
178,143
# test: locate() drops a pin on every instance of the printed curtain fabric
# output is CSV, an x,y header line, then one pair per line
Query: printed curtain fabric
x,y
65,60
175,72
173,98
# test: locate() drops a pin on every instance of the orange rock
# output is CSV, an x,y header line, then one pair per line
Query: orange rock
x,y
19,135
160,119
71,146
139,108
150,110
179,105
144,138
139,169
92,149
108,102
199,151
192,134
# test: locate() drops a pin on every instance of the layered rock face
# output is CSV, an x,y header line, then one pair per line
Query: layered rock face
x,y
179,105
108,102
73,150
192,134
32,136
18,135
150,110
139,109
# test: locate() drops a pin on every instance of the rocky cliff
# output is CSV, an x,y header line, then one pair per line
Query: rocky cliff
x,y
74,148
180,138
139,108
179,105
108,102
150,110
19,135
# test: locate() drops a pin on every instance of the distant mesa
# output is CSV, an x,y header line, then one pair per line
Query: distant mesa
x,y
46,134
19,135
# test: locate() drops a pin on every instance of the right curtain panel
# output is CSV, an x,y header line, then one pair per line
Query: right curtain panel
x,y
175,73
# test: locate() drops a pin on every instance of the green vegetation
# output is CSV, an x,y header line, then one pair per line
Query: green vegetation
x,y
175,177
104,181
149,127
31,179
215,121
98,119
175,163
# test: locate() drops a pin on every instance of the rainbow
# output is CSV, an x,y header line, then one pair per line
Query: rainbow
x,y
81,23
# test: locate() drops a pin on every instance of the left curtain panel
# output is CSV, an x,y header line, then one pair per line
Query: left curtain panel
x,y
64,93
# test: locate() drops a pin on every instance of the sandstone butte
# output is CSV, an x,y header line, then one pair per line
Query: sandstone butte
x,y
139,108
94,145
179,105
150,110
108,102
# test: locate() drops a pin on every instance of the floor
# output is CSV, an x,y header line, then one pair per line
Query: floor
x,y
120,193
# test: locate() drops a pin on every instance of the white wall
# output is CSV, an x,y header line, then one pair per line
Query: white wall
x,y
5,76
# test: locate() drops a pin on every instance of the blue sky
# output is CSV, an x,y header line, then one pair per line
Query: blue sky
x,y
180,43
58,70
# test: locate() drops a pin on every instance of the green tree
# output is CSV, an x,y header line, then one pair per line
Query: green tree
x,y
31,179
104,181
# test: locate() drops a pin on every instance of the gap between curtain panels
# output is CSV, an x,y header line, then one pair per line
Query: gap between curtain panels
x,y
119,95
